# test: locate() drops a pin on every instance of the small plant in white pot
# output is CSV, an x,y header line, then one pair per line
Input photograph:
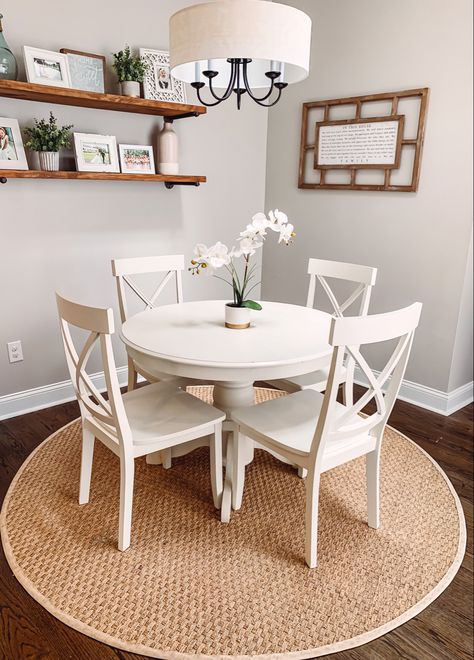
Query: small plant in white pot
x,y
47,138
130,70
208,260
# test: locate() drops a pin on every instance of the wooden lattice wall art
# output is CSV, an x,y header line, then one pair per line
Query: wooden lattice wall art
x,y
344,146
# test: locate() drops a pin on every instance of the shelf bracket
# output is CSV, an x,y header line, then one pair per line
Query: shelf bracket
x,y
171,184
3,179
183,116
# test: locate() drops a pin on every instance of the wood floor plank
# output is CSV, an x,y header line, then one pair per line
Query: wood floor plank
x,y
441,632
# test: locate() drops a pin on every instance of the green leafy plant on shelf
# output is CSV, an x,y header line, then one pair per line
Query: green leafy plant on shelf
x,y
129,67
47,135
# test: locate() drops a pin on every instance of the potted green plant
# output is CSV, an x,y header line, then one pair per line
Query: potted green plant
x,y
237,312
47,138
130,70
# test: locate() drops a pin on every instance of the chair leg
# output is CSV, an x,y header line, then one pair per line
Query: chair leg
x,y
311,519
238,472
132,375
302,473
216,465
166,457
372,471
88,440
226,503
127,470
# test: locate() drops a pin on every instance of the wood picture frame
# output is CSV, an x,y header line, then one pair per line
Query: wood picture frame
x,y
308,144
398,119
86,70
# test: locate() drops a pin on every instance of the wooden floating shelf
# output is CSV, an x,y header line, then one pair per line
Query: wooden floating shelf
x,y
168,179
76,97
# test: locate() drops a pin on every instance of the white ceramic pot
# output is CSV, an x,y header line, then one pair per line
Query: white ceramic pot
x,y
236,318
130,88
49,161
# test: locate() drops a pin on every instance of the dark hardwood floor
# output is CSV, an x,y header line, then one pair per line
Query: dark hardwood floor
x,y
441,632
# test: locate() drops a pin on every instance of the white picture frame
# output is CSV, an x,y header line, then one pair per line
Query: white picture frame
x,y
159,84
46,67
12,151
96,153
136,159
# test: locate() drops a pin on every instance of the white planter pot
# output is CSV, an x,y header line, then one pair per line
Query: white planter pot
x,y
130,88
237,318
49,161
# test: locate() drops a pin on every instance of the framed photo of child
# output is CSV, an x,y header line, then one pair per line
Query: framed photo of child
x,y
159,84
12,151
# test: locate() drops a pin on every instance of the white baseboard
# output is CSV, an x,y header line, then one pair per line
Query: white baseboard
x,y
20,403
444,403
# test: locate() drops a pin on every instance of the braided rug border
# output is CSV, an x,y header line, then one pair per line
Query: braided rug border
x,y
140,649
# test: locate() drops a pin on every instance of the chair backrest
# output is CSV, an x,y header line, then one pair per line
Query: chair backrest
x,y
363,276
109,414
347,334
122,269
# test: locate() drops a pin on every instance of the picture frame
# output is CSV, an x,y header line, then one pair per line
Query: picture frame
x,y
46,67
96,153
86,70
136,159
12,151
159,84
378,149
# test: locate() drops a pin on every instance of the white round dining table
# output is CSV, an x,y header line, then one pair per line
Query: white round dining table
x,y
190,340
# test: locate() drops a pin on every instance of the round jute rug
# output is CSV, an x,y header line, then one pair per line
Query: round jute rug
x,y
192,587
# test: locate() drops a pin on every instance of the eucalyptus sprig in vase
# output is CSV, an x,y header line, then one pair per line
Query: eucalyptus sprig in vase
x,y
47,138
242,280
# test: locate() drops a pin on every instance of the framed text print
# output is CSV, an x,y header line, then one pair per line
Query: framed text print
x,y
371,142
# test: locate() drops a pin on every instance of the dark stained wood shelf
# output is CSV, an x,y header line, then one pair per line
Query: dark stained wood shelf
x,y
66,96
168,179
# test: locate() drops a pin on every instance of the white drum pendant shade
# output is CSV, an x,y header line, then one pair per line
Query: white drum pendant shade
x,y
265,32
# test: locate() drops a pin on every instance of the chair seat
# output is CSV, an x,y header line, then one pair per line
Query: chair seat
x,y
159,412
316,380
289,423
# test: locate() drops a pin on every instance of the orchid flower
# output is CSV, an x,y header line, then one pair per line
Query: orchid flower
x,y
249,241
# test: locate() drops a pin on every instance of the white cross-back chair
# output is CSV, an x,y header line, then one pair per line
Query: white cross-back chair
x,y
170,267
319,270
146,420
316,432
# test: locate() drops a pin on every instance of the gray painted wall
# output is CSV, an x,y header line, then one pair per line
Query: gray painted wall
x,y
62,235
461,367
418,241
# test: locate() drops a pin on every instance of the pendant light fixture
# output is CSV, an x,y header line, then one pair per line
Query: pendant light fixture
x,y
253,47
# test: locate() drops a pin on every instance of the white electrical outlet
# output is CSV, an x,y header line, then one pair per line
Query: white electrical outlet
x,y
15,351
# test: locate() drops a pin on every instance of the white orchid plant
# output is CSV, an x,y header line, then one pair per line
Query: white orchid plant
x,y
209,259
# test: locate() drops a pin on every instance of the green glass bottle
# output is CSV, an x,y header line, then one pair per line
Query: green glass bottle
x,y
8,65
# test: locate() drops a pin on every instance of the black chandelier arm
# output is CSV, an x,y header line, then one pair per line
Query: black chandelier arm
x,y
249,89
199,85
230,86
239,83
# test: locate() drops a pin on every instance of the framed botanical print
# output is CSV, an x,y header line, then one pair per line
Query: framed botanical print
x,y
12,152
96,153
45,67
159,84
